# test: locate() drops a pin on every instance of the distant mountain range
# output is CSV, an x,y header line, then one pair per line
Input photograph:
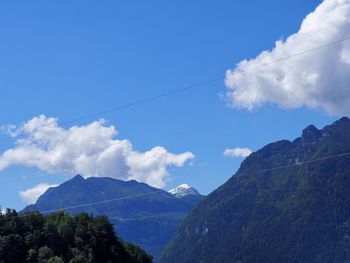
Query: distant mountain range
x,y
288,202
142,214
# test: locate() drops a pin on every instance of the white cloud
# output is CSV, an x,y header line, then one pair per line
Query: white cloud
x,y
90,150
30,196
237,152
319,79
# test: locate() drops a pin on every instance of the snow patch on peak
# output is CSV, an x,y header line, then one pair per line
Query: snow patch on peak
x,y
185,186
183,190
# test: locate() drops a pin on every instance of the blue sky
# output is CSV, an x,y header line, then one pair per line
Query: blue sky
x,y
68,59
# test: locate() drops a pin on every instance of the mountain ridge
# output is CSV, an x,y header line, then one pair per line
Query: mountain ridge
x,y
142,214
261,213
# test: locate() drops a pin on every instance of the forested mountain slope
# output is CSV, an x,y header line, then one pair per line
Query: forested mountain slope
x,y
278,207
142,214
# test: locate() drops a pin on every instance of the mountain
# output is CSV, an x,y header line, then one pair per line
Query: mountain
x,y
183,190
288,202
142,215
187,194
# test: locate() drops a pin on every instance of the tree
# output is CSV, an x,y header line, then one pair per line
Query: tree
x,y
55,260
59,237
44,254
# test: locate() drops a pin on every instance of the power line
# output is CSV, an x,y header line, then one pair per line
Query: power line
x,y
142,101
86,204
101,202
296,164
134,103
190,87
162,191
297,54
149,99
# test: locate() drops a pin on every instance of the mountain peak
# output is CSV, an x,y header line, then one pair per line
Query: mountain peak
x,y
78,177
343,121
185,186
311,134
76,180
183,190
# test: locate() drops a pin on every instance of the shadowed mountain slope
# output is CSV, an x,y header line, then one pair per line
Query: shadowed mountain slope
x,y
297,212
142,214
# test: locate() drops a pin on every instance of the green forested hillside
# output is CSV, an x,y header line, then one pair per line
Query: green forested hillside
x,y
58,237
299,211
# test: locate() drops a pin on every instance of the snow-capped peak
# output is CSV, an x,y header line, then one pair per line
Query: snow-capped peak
x,y
183,190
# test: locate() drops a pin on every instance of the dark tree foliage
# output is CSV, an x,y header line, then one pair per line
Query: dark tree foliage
x,y
59,237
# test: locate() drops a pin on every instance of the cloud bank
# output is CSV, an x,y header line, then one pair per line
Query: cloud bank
x,y
318,79
237,152
30,196
90,150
